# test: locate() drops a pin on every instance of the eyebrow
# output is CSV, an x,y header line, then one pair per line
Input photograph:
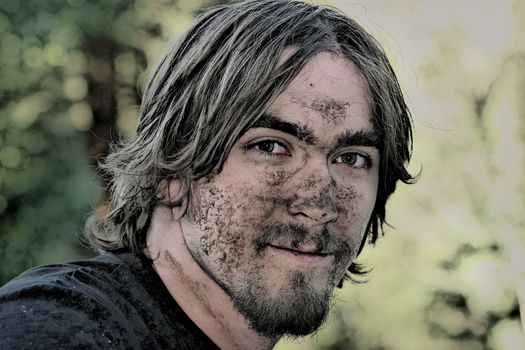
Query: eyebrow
x,y
304,133
301,132
365,137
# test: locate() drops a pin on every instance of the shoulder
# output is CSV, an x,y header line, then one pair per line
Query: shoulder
x,y
114,301
74,305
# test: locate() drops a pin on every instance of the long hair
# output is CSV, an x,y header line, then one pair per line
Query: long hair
x,y
215,82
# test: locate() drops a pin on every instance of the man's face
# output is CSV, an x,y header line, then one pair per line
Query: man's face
x,y
280,224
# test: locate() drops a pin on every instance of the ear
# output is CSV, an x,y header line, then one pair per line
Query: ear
x,y
169,192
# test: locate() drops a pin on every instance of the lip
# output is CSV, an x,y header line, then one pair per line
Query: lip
x,y
302,255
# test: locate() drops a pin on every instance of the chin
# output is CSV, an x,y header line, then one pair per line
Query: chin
x,y
296,308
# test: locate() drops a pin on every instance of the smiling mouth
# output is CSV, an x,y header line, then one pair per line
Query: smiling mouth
x,y
301,251
302,256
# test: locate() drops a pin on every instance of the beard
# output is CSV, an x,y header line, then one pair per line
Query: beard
x,y
297,309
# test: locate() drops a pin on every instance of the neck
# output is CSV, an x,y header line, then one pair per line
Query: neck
x,y
203,300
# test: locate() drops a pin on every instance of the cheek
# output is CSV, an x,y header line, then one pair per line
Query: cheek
x,y
355,206
356,199
275,179
212,230
224,219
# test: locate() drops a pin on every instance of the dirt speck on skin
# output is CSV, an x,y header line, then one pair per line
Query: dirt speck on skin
x,y
205,244
331,110
213,211
312,182
347,201
277,178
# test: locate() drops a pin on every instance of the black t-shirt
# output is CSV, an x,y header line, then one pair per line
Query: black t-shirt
x,y
114,301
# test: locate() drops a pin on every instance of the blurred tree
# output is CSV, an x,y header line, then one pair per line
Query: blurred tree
x,y
68,87
484,306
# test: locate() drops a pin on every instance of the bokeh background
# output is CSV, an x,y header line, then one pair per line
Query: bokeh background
x,y
449,274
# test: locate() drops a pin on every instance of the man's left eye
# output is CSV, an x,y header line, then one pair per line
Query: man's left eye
x,y
270,147
355,160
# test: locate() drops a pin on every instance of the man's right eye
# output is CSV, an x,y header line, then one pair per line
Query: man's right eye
x,y
270,147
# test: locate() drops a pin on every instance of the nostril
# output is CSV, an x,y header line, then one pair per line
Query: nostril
x,y
315,214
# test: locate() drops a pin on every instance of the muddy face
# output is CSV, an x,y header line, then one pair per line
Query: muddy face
x,y
280,224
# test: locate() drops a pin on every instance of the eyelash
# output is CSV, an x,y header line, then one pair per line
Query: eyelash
x,y
252,146
367,159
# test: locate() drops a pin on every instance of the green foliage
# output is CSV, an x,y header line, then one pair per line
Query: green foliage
x,y
68,72
46,185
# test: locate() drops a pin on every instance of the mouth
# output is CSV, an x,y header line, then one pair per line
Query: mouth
x,y
302,255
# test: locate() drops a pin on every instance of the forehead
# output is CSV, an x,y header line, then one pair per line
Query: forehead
x,y
328,94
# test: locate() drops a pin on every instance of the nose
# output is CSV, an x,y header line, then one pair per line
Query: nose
x,y
314,200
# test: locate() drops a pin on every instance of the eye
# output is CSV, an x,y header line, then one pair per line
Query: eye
x,y
355,160
269,147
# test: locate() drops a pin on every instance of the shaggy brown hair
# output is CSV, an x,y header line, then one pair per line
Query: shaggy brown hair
x,y
215,82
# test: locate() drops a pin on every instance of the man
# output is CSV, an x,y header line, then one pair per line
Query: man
x,y
271,136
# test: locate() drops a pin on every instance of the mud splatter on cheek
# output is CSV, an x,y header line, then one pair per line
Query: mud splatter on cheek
x,y
228,251
346,198
354,213
205,244
209,213
349,203
276,178
226,219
